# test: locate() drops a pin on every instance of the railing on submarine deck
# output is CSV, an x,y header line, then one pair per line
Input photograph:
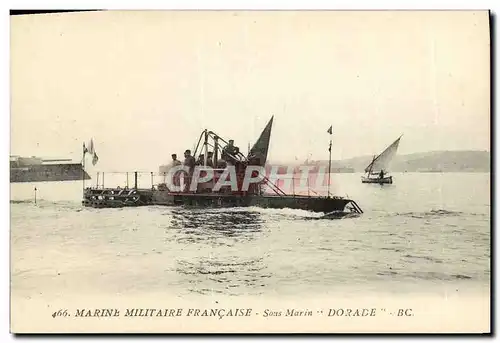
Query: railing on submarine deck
x,y
119,179
137,180
160,178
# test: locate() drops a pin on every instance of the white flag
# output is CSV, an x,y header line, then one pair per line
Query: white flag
x,y
91,147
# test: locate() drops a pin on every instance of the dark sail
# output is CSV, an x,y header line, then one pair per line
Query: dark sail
x,y
258,153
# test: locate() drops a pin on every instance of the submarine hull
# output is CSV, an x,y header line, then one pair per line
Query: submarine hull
x,y
103,198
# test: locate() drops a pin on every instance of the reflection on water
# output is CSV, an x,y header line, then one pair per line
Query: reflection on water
x,y
229,223
221,265
223,275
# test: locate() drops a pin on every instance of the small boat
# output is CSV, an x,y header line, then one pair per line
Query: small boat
x,y
375,179
376,171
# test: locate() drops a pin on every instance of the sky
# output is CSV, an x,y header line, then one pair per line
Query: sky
x,y
144,84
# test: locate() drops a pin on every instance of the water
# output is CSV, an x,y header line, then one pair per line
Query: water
x,y
426,232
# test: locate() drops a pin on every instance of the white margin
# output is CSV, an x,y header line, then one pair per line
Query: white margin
x,y
170,4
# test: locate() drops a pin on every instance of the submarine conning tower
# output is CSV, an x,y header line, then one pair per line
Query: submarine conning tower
x,y
222,153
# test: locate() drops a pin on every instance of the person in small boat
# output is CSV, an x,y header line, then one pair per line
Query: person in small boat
x,y
381,174
190,162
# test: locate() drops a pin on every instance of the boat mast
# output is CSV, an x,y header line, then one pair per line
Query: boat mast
x,y
329,160
206,148
216,151
371,165
83,168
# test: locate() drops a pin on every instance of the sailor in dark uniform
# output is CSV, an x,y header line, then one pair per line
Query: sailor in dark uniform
x,y
221,164
210,159
201,160
254,159
190,162
229,152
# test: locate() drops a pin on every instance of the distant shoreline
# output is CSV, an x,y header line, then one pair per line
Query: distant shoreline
x,y
418,172
424,162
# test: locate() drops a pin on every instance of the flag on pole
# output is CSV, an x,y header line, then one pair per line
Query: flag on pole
x,y
330,129
95,159
91,147
92,151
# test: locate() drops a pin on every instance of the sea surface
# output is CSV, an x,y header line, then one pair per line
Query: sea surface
x,y
425,232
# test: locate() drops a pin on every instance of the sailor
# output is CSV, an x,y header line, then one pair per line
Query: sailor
x,y
381,174
205,187
176,178
221,164
210,157
253,158
230,151
201,160
190,162
164,170
175,161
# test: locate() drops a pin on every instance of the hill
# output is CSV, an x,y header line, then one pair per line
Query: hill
x,y
434,161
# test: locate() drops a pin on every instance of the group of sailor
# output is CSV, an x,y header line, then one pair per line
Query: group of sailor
x,y
229,153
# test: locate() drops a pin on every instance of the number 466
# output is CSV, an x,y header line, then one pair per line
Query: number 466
x,y
60,313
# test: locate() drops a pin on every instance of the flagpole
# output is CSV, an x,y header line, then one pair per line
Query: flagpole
x,y
83,170
330,131
329,164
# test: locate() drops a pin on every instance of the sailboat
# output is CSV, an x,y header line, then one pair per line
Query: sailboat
x,y
376,171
